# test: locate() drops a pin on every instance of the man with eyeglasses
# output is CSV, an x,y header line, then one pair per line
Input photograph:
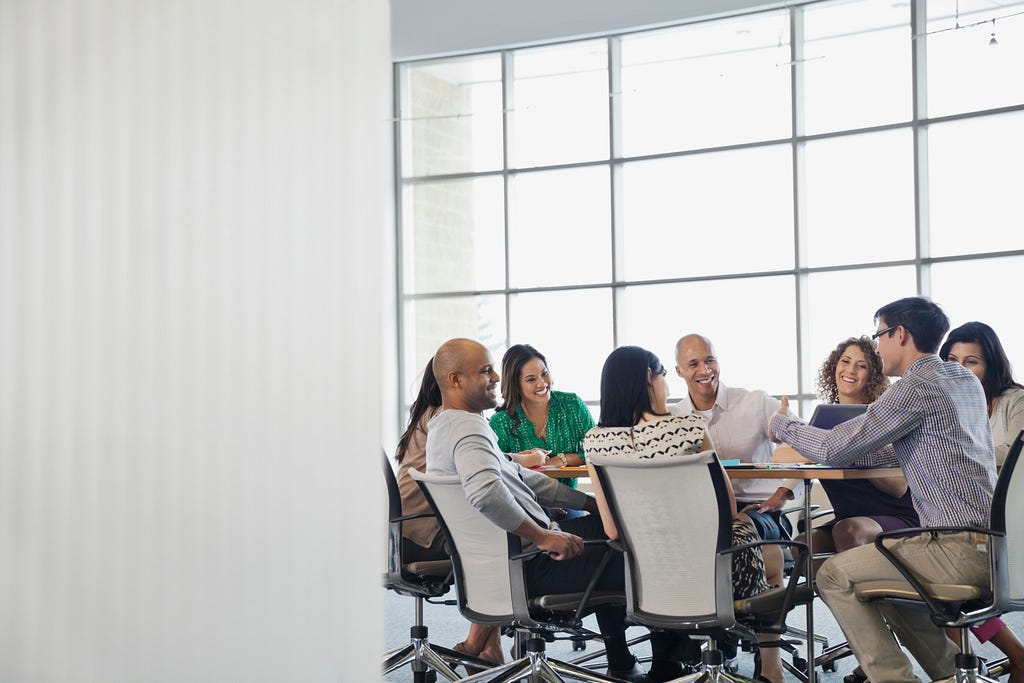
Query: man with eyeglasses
x,y
935,417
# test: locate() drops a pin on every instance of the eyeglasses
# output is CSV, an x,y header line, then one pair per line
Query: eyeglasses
x,y
878,334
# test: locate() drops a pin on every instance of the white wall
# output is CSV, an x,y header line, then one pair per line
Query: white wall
x,y
192,198
423,28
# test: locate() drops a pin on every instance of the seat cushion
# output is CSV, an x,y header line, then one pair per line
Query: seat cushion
x,y
568,602
944,592
769,602
438,568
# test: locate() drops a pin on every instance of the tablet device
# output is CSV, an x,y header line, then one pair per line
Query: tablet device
x,y
828,415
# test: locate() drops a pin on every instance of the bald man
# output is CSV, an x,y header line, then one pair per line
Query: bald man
x,y
460,441
736,422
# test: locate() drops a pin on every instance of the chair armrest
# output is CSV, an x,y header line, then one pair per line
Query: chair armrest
x,y
799,563
537,551
800,508
906,573
405,518
520,558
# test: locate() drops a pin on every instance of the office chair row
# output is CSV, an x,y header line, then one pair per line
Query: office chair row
x,y
678,575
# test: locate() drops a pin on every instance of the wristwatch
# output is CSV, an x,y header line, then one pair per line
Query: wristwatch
x,y
565,460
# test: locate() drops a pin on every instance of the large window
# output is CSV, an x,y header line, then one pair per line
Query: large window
x,y
769,180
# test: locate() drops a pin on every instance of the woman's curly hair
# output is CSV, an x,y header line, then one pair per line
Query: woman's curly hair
x,y
828,391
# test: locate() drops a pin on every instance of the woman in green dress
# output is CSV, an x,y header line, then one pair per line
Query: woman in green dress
x,y
539,425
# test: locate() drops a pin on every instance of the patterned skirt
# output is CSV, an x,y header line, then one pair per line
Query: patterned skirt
x,y
747,565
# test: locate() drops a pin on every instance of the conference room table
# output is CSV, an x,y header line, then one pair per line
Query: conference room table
x,y
808,473
564,472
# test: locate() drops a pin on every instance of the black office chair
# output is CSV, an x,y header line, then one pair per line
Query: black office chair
x,y
491,588
961,606
675,527
423,581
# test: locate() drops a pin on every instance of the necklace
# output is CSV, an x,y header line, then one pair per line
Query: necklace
x,y
540,427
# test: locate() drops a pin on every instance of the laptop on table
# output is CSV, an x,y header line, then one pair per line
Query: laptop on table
x,y
828,415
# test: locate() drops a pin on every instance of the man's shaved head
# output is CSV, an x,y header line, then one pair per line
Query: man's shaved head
x,y
452,357
465,373
690,339
697,364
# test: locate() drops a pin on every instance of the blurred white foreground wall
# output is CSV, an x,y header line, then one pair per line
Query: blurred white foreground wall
x,y
193,195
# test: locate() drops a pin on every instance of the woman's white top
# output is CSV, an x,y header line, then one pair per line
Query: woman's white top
x,y
1007,419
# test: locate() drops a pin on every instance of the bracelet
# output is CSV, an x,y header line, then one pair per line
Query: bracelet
x,y
565,460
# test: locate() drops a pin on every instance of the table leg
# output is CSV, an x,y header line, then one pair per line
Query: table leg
x,y
809,569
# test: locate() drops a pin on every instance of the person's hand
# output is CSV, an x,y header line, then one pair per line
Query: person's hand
x,y
783,410
534,457
776,502
561,545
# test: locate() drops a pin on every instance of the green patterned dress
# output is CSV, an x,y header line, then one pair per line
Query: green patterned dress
x,y
569,419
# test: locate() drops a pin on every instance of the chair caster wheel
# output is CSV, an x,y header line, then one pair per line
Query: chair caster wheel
x,y
578,645
830,667
800,663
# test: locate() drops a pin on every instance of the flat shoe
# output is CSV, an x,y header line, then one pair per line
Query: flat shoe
x,y
854,677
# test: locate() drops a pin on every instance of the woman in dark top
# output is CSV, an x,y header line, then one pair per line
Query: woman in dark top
x,y
863,508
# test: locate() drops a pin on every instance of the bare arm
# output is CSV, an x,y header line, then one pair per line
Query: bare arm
x,y
894,486
728,489
571,459
602,504
788,454
535,457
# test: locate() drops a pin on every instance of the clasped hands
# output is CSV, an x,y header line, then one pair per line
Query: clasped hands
x,y
560,545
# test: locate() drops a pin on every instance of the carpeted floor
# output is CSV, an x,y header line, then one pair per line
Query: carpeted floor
x,y
447,627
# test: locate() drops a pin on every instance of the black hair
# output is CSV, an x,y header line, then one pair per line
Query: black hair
x,y
923,319
429,397
998,371
512,364
624,395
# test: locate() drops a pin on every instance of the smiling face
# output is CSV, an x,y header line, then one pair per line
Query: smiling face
x,y
535,382
852,375
696,363
969,355
479,380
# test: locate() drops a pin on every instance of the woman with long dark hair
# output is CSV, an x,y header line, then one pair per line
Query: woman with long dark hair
x,y
538,424
977,347
635,421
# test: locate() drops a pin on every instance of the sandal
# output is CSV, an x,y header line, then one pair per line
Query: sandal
x,y
462,650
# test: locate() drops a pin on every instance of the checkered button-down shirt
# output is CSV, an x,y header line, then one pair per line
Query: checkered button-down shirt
x,y
935,418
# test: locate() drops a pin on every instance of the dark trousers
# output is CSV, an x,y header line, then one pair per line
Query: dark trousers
x,y
545,576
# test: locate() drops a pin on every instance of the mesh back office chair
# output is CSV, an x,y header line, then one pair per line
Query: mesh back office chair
x,y
675,525
491,588
423,581
961,606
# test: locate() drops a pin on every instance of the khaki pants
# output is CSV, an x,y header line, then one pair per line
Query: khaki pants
x,y
952,558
